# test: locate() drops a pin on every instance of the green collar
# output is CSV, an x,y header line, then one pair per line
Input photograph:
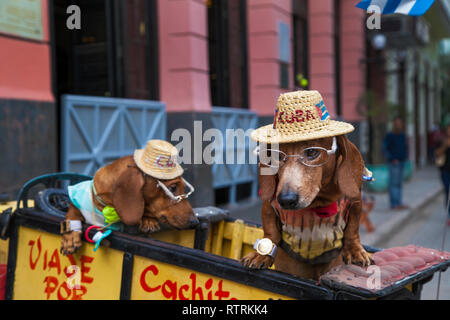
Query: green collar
x,y
109,212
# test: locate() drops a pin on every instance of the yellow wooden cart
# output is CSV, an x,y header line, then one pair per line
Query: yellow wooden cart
x,y
199,263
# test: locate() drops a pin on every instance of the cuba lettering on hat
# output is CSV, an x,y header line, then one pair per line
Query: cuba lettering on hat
x,y
299,116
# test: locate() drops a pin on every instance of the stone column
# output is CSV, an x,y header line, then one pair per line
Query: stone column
x,y
353,82
183,58
28,115
321,51
410,101
184,81
353,71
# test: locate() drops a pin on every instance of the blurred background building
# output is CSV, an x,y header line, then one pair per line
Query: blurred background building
x,y
73,100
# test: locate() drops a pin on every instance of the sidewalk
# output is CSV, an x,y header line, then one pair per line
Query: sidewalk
x,y
424,186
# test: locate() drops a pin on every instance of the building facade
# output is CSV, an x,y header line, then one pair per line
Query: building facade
x,y
28,123
410,75
215,63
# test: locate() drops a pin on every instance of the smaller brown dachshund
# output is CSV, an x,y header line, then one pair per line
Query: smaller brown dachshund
x,y
138,198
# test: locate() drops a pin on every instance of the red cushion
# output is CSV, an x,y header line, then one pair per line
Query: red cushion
x,y
394,264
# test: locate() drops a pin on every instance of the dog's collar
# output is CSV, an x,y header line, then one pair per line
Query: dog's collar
x,y
313,235
328,211
94,192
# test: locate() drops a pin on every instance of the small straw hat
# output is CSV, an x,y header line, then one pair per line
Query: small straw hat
x,y
300,116
159,160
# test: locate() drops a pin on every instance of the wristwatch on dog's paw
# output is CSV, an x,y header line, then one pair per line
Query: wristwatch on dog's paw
x,y
265,247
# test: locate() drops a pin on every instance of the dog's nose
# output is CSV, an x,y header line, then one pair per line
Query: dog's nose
x,y
288,200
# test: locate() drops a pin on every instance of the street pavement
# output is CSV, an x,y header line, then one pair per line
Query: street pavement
x,y
419,192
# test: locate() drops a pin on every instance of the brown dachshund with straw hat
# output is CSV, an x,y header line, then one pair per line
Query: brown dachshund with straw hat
x,y
145,189
310,178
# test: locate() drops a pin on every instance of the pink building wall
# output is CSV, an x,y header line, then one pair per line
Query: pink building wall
x,y
25,66
264,77
263,17
184,64
183,55
321,51
353,82
184,69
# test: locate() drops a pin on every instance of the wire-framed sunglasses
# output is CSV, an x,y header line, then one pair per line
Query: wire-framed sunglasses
x,y
311,157
179,197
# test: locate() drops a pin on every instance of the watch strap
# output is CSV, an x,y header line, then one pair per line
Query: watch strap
x,y
67,226
274,251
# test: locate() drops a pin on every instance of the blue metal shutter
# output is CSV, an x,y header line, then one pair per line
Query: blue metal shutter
x,y
232,175
97,130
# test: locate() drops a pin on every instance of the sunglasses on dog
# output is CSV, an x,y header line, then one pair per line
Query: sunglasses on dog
x,y
179,197
311,157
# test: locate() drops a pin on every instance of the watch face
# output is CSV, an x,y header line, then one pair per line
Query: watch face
x,y
264,246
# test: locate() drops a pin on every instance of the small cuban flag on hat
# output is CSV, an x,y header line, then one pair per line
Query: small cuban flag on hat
x,y
322,111
406,7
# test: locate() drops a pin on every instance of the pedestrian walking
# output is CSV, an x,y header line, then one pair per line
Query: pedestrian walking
x,y
395,149
442,160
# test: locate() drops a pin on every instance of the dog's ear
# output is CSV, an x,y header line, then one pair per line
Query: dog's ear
x,y
350,166
267,183
127,196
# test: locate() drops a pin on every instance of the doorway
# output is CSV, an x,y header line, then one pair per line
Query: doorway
x,y
114,54
227,44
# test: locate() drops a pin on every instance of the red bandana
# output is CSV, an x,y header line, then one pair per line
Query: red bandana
x,y
326,212
322,212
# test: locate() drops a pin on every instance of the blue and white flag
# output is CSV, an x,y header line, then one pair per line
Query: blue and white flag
x,y
407,7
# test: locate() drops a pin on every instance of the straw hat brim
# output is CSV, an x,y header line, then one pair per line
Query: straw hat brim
x,y
156,173
267,134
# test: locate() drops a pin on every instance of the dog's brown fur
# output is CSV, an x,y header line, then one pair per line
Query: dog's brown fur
x,y
316,187
136,199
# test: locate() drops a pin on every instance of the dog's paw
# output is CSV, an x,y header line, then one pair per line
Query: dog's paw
x,y
355,254
71,242
256,261
149,225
